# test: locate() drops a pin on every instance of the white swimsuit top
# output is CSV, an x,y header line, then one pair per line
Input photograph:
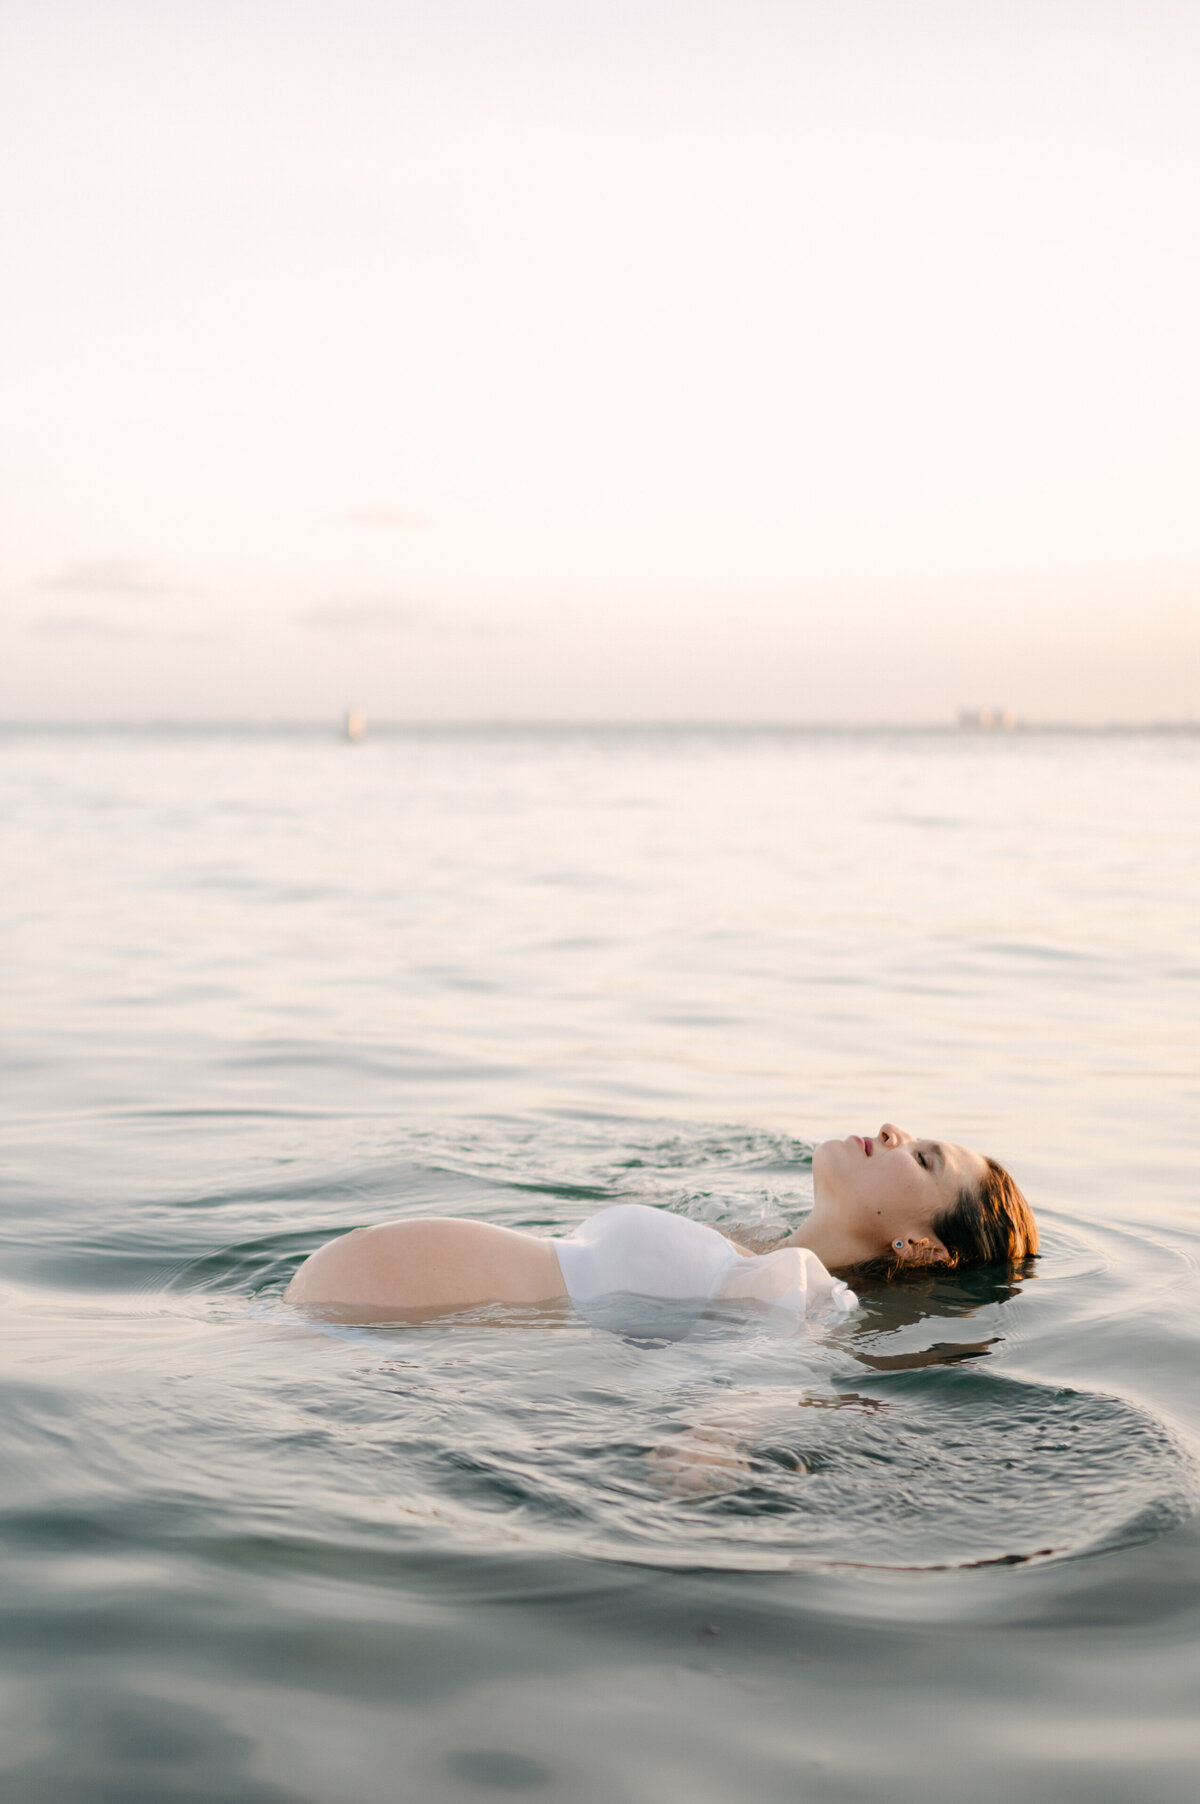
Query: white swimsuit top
x,y
652,1253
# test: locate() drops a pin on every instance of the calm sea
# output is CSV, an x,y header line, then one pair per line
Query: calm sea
x,y
259,988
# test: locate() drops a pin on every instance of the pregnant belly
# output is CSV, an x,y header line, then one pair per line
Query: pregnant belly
x,y
430,1266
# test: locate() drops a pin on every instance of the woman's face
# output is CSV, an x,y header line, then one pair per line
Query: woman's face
x,y
889,1187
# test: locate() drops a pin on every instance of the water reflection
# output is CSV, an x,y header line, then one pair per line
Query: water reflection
x,y
925,1298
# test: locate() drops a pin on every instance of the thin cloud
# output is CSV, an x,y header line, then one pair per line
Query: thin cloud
x,y
386,516
356,617
387,616
85,626
107,576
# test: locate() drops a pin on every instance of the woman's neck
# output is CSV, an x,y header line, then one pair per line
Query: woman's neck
x,y
827,1238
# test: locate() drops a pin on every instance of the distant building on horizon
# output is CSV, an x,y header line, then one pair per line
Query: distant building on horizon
x,y
354,725
986,720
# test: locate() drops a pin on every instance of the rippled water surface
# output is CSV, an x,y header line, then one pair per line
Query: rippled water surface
x,y
260,988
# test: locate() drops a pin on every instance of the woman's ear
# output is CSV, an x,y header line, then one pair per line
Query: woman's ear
x,y
920,1250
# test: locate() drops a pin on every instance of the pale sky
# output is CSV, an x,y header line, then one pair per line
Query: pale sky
x,y
735,359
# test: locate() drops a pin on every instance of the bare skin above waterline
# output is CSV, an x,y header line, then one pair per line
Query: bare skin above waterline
x,y
430,1265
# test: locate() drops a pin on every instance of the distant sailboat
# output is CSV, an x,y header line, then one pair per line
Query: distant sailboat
x,y
354,725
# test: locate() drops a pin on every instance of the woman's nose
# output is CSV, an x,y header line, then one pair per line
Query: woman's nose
x,y
891,1135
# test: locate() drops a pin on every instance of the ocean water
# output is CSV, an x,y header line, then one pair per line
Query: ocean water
x,y
263,987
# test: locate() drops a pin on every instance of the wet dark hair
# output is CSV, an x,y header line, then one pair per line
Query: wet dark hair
x,y
988,1224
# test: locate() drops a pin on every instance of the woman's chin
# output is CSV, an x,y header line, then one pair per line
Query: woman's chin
x,y
824,1158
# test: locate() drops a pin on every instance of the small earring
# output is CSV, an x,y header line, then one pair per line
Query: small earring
x,y
899,1245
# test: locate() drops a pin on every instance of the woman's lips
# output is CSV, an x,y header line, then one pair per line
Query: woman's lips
x,y
866,1142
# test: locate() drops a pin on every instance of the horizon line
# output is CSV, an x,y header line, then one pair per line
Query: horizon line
x,y
334,725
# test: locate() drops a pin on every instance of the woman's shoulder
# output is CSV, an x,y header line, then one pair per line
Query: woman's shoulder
x,y
790,1276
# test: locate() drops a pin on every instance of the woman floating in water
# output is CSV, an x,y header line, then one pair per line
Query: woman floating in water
x,y
883,1205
